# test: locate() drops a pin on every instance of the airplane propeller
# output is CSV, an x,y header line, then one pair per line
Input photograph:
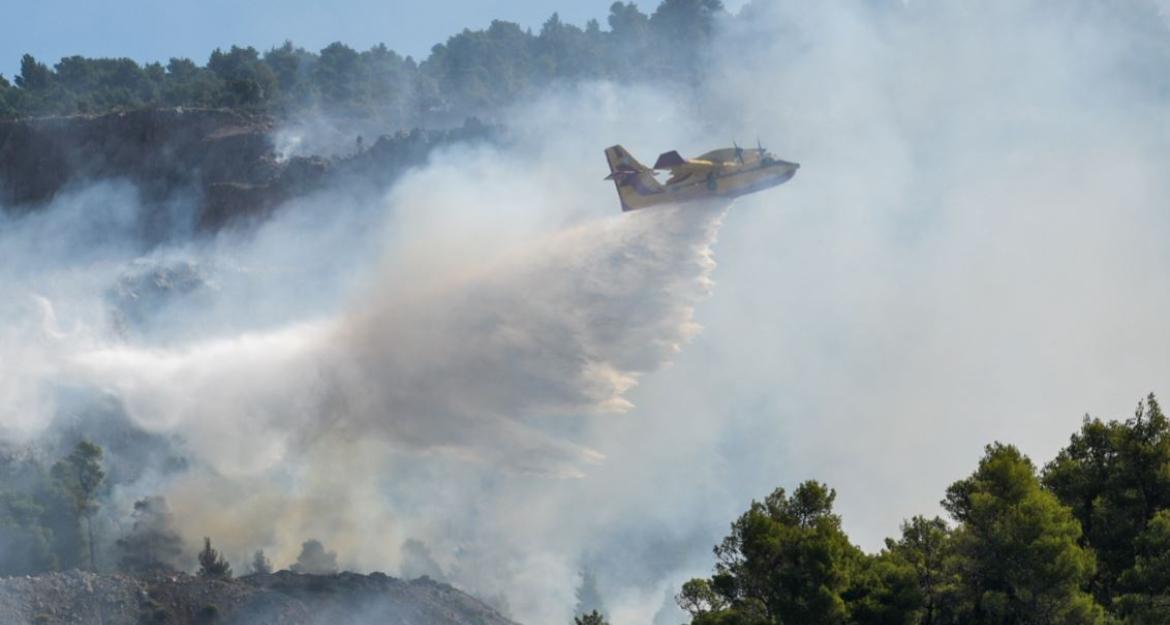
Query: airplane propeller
x,y
738,152
764,158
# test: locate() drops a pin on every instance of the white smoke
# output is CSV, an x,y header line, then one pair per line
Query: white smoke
x,y
458,360
348,375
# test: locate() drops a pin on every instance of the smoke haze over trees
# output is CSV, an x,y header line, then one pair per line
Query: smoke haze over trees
x,y
152,545
315,560
1026,546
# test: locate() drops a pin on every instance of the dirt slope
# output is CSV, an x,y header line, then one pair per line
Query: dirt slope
x,y
79,598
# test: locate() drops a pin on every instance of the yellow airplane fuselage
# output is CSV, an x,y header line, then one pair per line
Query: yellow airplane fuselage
x,y
726,173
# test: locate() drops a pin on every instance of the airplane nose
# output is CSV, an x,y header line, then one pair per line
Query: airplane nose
x,y
789,171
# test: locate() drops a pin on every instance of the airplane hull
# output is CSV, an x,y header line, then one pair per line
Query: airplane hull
x,y
726,186
720,174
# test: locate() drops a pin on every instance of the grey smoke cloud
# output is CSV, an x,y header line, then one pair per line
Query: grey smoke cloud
x,y
472,321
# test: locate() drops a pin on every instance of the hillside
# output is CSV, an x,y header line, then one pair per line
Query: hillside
x,y
284,598
221,163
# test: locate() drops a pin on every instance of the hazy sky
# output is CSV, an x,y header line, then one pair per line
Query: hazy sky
x,y
148,30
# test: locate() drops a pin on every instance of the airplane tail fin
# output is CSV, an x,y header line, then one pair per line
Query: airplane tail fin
x,y
635,182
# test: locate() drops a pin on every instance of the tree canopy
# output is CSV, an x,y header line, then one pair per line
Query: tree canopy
x,y
472,72
1085,542
1016,548
80,475
1115,476
261,565
212,564
40,528
152,546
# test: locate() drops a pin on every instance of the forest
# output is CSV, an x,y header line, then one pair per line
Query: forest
x,y
1083,539
474,71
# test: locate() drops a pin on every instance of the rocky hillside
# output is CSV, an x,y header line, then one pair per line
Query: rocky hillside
x,y
224,160
78,598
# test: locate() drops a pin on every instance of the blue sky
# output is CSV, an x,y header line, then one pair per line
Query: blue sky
x,y
150,30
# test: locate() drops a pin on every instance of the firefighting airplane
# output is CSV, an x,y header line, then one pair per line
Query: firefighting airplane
x,y
724,173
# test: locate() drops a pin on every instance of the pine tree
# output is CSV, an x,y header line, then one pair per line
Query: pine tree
x,y
212,563
152,546
261,565
1113,476
591,618
1017,547
80,475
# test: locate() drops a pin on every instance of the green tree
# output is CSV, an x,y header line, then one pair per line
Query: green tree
x,y
338,74
925,547
25,543
8,97
591,618
34,75
698,599
388,89
787,560
686,20
248,81
261,565
1149,601
1115,476
38,531
212,564
483,69
683,28
187,84
627,51
80,475
628,24
287,63
883,591
565,52
152,546
1016,548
